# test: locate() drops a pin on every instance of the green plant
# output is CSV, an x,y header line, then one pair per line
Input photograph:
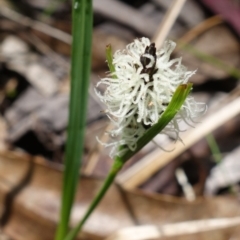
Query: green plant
x,y
134,132
147,94
82,20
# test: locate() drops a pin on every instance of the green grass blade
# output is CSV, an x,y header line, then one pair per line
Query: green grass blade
x,y
214,148
109,58
232,71
217,155
80,71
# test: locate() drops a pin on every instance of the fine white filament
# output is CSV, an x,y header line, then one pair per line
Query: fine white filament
x,y
135,99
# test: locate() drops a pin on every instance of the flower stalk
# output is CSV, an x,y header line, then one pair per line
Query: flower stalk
x,y
116,167
177,100
146,94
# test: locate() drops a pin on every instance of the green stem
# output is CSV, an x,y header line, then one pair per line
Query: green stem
x,y
107,183
214,148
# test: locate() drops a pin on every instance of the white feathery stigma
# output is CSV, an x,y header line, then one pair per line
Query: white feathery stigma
x,y
140,89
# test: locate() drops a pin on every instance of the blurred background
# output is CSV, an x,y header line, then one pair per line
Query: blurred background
x,y
196,184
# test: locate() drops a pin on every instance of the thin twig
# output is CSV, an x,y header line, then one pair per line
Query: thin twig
x,y
37,25
168,22
174,229
46,50
95,152
146,167
199,29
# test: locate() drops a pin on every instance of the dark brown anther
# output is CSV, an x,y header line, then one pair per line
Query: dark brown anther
x,y
151,49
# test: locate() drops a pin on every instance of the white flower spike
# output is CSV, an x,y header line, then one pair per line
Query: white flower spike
x,y
140,89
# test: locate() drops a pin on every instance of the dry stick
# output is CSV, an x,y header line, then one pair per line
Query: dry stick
x,y
120,12
168,22
46,50
174,229
200,28
39,26
94,154
145,168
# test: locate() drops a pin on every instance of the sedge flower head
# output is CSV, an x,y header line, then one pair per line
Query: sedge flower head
x,y
140,89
